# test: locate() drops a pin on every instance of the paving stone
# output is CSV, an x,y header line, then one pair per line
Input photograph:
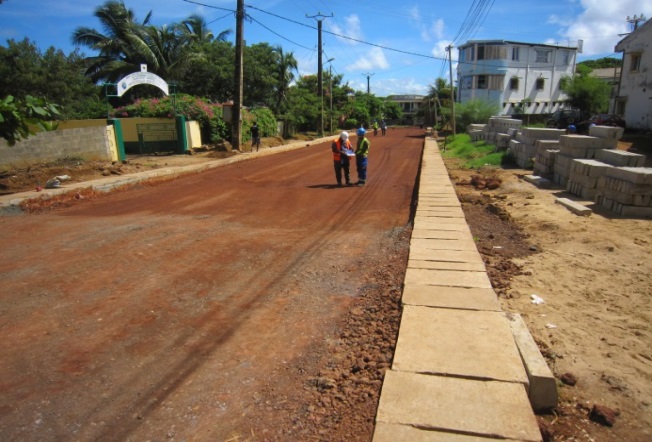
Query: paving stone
x,y
443,244
442,234
446,255
394,432
451,297
446,265
452,278
574,207
479,408
461,343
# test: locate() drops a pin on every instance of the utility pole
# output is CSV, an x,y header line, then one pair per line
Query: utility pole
x,y
449,48
320,87
236,122
368,75
634,21
330,76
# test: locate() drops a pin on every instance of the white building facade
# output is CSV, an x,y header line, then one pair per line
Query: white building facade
x,y
633,100
510,74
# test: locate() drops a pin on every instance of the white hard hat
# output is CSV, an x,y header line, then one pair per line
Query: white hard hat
x,y
344,135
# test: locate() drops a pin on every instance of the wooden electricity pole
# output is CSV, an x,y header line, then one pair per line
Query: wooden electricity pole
x,y
236,122
449,48
320,87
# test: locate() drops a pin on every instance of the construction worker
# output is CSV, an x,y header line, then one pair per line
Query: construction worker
x,y
340,158
361,153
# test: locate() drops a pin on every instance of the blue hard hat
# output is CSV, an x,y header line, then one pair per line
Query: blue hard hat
x,y
572,128
361,131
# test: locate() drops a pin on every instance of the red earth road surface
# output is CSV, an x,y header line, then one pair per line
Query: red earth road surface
x,y
195,308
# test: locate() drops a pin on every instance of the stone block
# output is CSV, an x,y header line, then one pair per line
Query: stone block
x,y
635,175
542,389
578,142
574,207
463,298
620,158
607,132
488,409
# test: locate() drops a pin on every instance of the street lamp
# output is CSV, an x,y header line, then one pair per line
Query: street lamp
x,y
322,102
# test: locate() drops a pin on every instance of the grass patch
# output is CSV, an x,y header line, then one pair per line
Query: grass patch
x,y
473,154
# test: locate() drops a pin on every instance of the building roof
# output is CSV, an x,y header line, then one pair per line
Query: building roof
x,y
619,46
606,74
511,42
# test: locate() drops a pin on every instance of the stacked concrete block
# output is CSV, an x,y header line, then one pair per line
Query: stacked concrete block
x,y
476,131
626,191
620,158
574,147
544,161
524,148
584,176
502,141
608,134
497,126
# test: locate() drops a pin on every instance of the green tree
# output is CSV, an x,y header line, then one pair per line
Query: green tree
x,y
210,76
473,112
587,93
260,75
605,62
286,66
51,75
124,46
18,119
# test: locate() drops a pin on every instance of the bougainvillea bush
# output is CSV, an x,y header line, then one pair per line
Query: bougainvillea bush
x,y
209,115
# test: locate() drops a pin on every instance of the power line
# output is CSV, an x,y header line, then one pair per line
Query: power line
x,y
347,37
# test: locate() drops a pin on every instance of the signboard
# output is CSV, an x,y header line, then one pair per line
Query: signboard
x,y
142,77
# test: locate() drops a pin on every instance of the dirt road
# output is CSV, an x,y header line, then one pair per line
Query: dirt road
x,y
202,308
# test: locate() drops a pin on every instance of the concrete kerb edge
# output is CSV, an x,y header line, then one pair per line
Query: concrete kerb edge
x,y
12,204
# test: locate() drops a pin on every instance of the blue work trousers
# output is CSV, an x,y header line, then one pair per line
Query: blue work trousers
x,y
361,166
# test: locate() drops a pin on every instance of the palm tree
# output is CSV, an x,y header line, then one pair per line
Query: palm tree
x,y
124,46
286,65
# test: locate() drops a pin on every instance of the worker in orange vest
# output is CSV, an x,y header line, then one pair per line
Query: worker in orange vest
x,y
342,148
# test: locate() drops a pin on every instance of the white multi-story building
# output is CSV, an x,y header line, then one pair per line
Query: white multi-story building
x,y
510,73
634,95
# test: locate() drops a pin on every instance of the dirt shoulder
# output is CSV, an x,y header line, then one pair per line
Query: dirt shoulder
x,y
594,275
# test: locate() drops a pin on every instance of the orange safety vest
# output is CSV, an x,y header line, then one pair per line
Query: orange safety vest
x,y
337,148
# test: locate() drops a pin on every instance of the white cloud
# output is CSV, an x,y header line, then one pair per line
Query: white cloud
x,y
371,59
600,23
437,29
352,28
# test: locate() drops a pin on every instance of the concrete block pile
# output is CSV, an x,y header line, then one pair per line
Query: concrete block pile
x,y
476,131
584,176
496,126
586,147
626,191
524,148
544,162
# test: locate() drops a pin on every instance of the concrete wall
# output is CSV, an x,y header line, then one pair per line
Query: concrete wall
x,y
89,143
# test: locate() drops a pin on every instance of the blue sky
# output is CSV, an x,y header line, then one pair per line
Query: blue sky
x,y
398,44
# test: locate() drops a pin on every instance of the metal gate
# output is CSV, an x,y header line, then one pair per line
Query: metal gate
x,y
157,138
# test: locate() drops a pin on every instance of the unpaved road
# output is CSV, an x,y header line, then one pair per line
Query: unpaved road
x,y
199,308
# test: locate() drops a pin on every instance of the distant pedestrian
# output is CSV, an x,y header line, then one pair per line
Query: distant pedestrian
x,y
255,137
341,148
383,127
361,154
375,126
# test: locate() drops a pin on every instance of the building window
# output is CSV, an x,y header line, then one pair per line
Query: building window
x,y
513,83
466,82
480,52
636,62
540,84
543,56
515,53
565,58
482,82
